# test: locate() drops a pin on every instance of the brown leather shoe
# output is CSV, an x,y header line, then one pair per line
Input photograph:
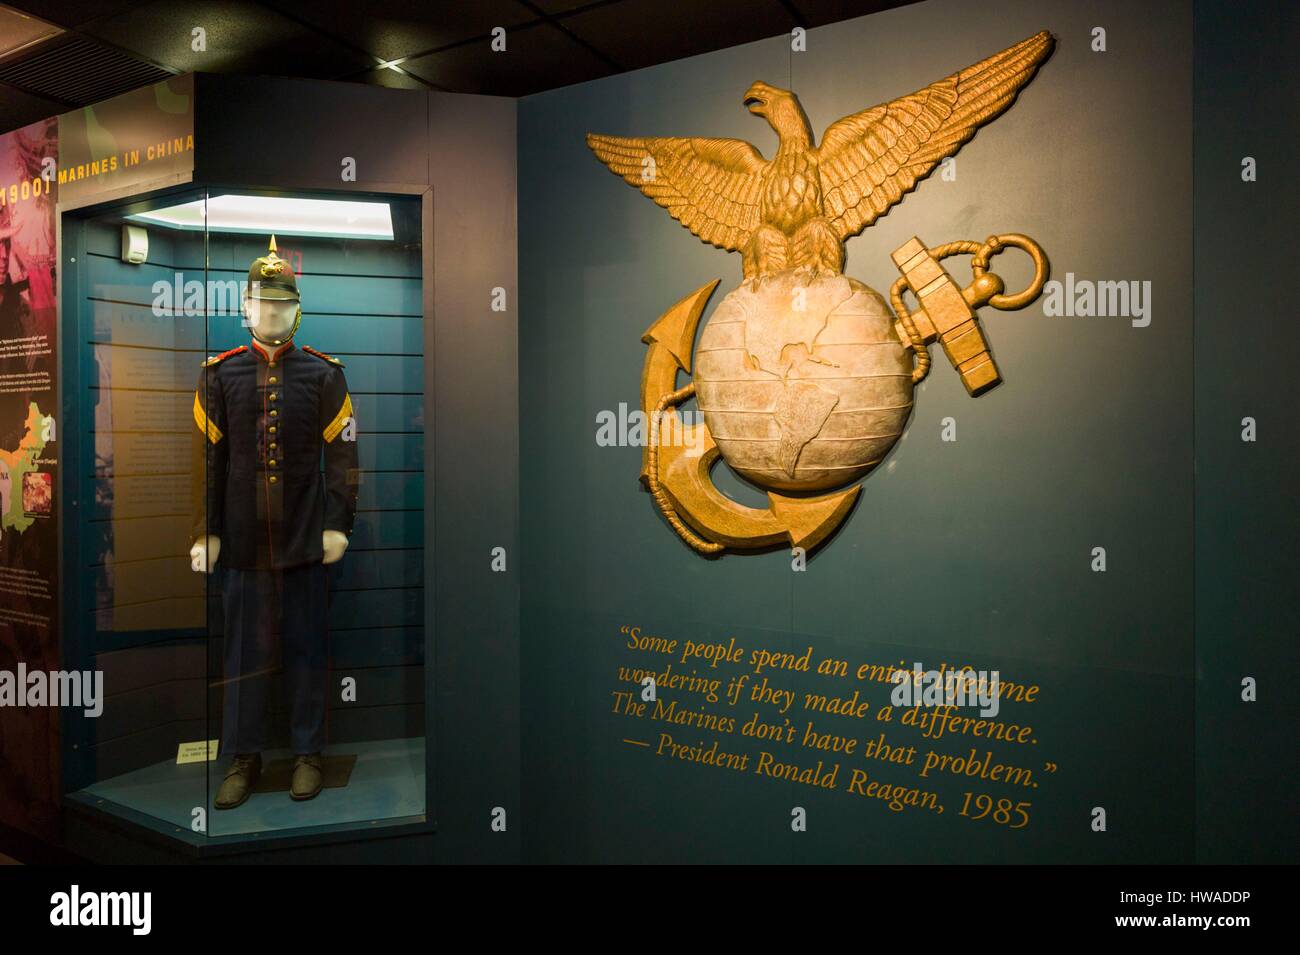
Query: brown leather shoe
x,y
307,777
240,779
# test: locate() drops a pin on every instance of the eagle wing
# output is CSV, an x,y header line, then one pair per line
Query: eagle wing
x,y
868,161
711,186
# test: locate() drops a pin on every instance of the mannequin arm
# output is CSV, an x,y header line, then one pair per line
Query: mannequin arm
x,y
204,554
334,544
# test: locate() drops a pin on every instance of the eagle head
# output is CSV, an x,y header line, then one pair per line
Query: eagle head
x,y
780,108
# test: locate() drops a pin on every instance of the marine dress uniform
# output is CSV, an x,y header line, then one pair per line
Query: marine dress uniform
x,y
276,465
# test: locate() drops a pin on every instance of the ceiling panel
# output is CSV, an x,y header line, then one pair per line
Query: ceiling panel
x,y
622,30
19,30
397,28
818,12
551,7
441,44
241,37
73,13
536,57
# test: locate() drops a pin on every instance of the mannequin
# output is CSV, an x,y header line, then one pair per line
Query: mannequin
x,y
270,520
273,323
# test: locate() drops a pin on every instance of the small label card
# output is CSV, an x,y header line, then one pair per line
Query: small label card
x,y
197,752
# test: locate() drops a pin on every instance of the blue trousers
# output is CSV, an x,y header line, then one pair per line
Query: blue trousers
x,y
275,620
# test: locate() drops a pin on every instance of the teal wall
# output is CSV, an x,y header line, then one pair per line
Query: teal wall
x,y
975,551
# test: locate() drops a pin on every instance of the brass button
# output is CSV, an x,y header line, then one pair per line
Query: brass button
x,y
273,380
274,413
272,445
270,364
272,396
271,462
274,479
271,429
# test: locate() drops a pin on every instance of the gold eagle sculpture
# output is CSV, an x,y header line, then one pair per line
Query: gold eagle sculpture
x,y
797,210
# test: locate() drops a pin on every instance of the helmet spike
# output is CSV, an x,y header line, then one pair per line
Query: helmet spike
x,y
272,249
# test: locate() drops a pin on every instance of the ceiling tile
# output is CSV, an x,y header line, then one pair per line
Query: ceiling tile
x,y
241,37
536,58
19,30
441,43
397,28
73,13
637,33
819,12
552,7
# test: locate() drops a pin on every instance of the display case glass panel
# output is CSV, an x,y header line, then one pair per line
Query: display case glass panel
x,y
256,409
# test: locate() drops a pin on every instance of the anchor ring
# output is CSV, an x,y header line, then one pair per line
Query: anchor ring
x,y
995,244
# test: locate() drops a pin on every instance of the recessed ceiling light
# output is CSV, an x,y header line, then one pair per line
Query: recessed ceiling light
x,y
316,218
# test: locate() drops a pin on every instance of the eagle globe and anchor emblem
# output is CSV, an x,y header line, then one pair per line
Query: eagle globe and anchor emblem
x,y
804,375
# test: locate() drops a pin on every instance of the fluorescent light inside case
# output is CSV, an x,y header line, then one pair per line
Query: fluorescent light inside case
x,y
319,218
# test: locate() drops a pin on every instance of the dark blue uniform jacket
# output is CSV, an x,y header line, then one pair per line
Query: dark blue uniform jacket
x,y
275,460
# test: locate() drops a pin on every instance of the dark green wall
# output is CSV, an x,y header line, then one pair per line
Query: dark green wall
x,y
975,551
1247,522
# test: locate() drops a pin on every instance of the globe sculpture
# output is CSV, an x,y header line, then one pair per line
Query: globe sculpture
x,y
803,381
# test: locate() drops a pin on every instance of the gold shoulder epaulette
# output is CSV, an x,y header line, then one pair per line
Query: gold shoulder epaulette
x,y
218,359
320,354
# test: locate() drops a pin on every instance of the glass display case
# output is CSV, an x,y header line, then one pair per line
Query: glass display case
x,y
244,511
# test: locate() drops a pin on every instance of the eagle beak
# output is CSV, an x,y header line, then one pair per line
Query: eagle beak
x,y
754,101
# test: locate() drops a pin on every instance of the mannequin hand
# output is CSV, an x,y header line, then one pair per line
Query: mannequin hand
x,y
334,543
204,554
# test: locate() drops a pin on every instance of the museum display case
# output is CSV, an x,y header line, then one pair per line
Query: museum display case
x,y
283,691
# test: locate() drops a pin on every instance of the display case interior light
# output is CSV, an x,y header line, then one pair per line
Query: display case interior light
x,y
282,215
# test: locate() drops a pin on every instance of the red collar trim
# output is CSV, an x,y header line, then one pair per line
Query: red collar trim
x,y
270,356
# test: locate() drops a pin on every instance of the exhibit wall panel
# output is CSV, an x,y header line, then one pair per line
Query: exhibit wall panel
x,y
31,615
976,551
1247,419
476,475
